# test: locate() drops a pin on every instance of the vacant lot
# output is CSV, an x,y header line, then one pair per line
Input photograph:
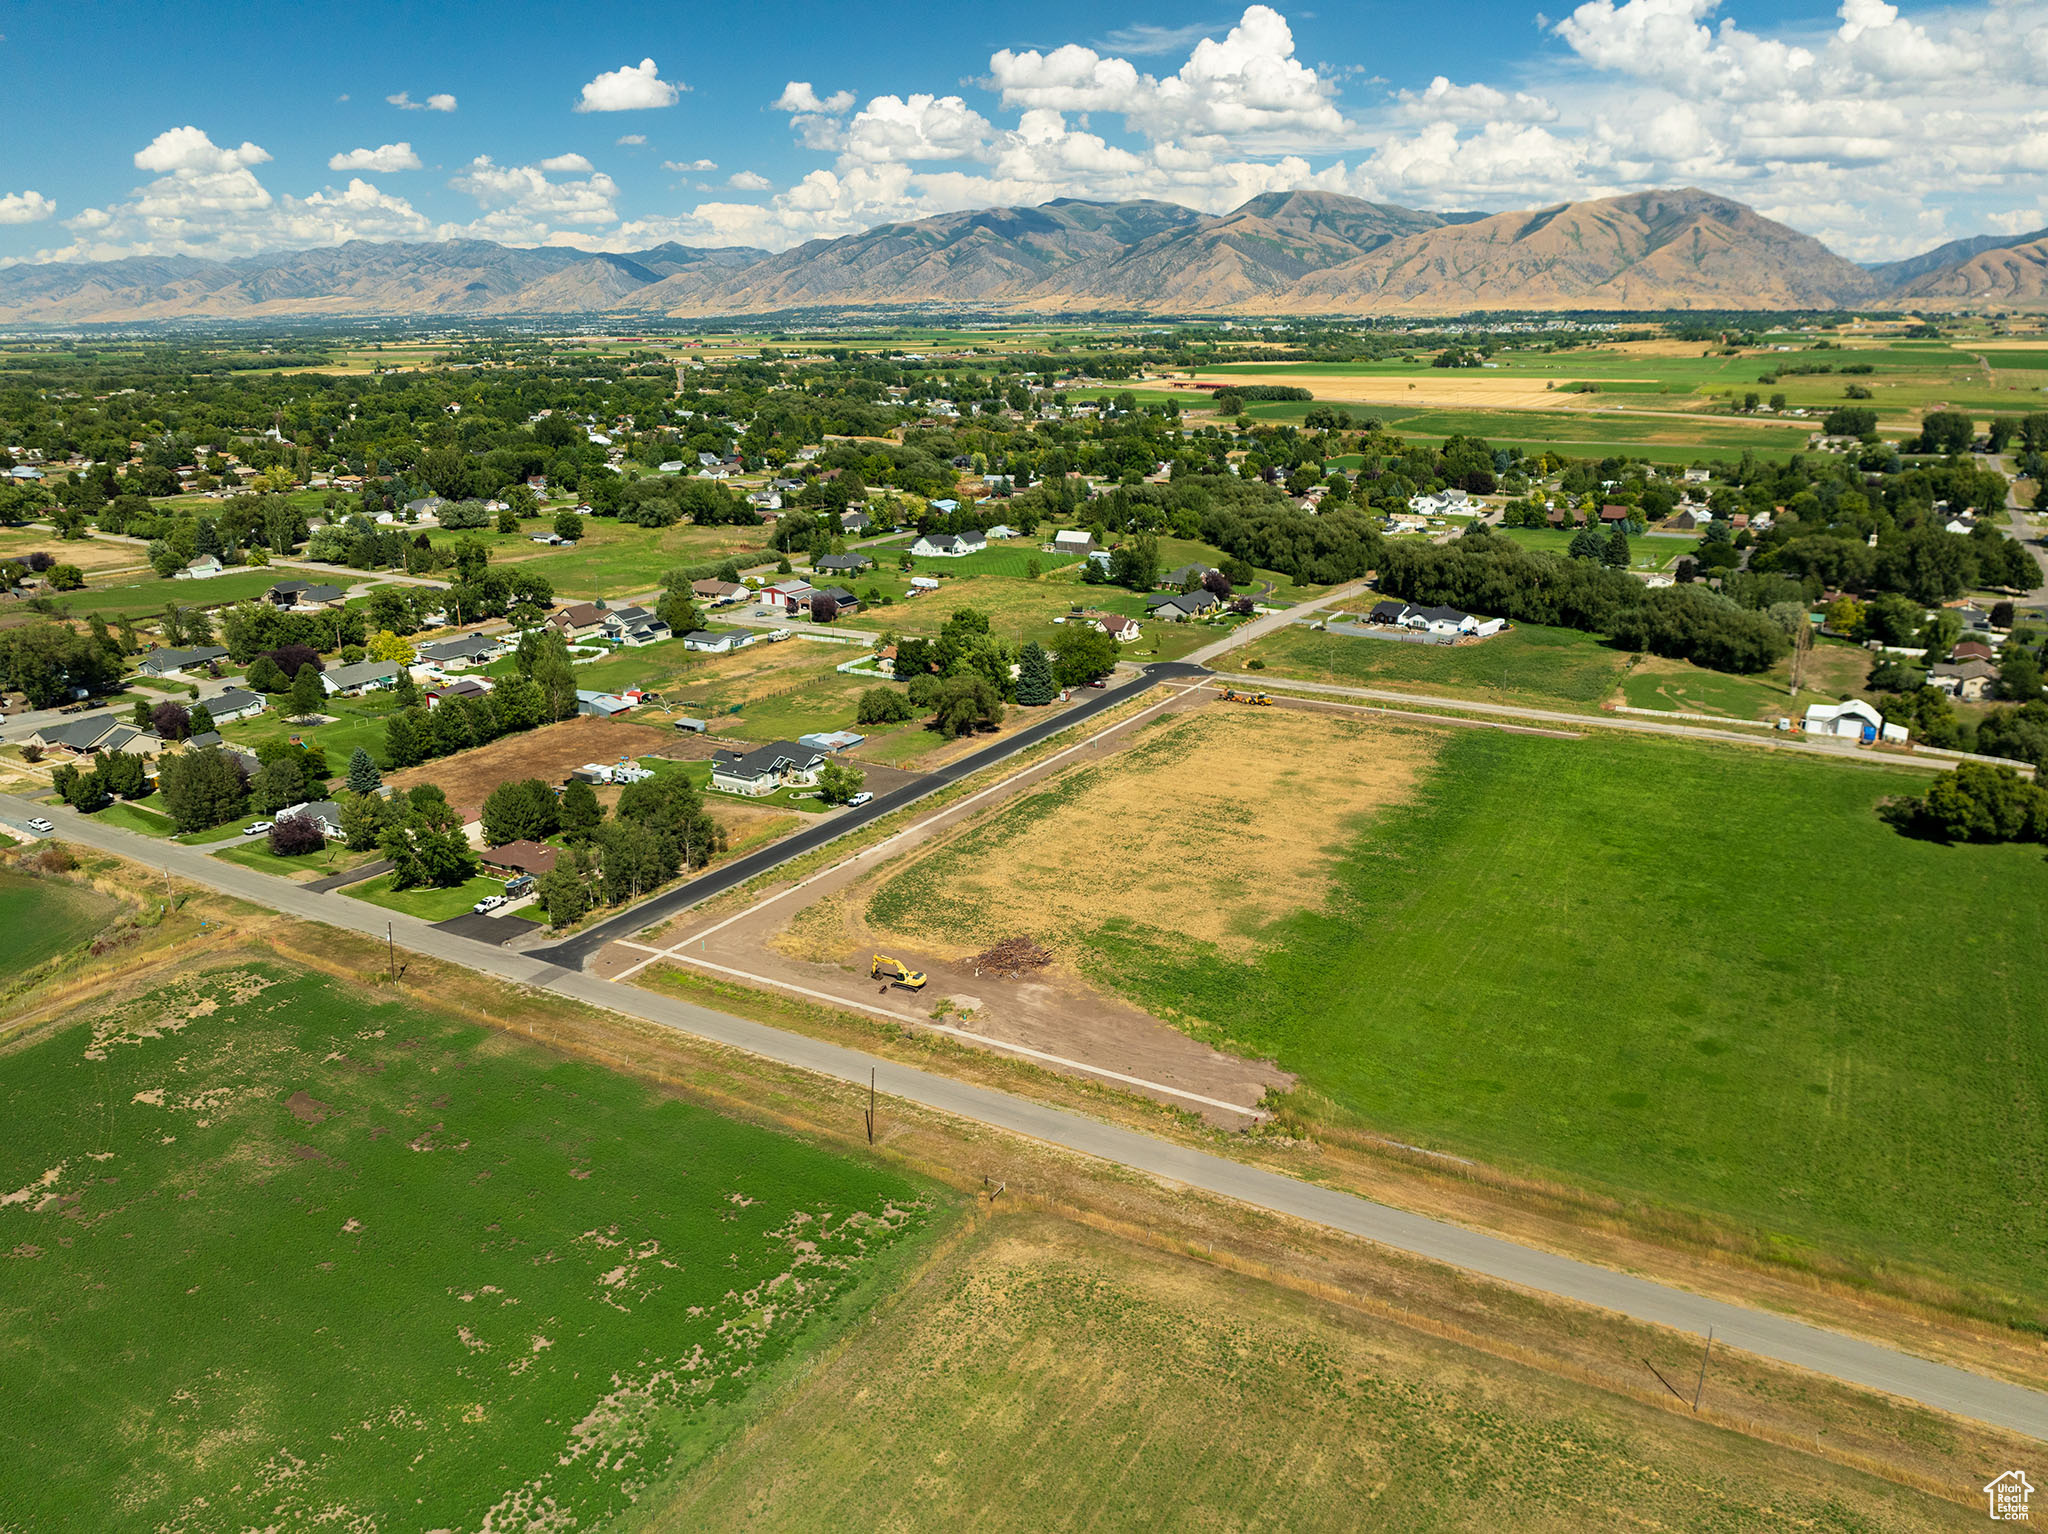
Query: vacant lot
x,y
614,559
149,595
1044,1375
89,554
1833,670
283,1256
41,918
1555,667
549,753
1205,832
1608,960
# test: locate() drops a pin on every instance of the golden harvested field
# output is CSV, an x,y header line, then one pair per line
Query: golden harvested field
x,y
549,753
86,553
1045,1375
1211,826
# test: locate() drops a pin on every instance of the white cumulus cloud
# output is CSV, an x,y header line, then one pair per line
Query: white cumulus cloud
x,y
565,162
629,88
384,158
25,208
439,102
797,96
749,181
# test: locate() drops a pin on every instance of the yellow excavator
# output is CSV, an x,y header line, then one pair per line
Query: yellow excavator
x,y
896,972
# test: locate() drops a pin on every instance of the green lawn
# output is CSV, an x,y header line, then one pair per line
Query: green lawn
x,y
1645,553
333,859
308,1258
1704,977
615,559
1011,559
355,722
426,904
151,595
1548,666
134,817
699,773
40,918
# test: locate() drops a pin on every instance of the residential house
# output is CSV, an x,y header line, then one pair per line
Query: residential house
x,y
234,703
843,601
601,705
1851,720
324,813
705,642
95,732
1123,630
1558,516
1440,622
1002,530
948,545
462,687
1971,649
717,592
1183,605
462,652
171,662
426,506
854,522
645,631
1610,515
1692,518
841,564
204,568
305,595
780,764
364,676
1971,681
577,622
1174,580
521,857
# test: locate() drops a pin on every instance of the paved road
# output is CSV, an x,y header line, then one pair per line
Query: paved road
x,y
1811,746
575,952
2016,517
1768,1336
1269,623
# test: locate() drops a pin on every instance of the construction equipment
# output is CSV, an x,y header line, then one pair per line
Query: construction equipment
x,y
1258,699
896,972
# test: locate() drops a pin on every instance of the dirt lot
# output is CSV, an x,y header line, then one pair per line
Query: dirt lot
x,y
549,753
1126,828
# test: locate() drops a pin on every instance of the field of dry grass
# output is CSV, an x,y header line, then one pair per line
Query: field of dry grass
x,y
1209,826
549,753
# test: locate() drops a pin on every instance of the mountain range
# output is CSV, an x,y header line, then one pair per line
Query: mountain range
x,y
1295,253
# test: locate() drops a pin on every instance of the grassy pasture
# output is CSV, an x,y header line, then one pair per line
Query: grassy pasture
x,y
41,918
150,595
1557,667
1602,960
614,559
289,1257
1042,1374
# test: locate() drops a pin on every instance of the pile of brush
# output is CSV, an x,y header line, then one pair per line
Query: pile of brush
x,y
1012,957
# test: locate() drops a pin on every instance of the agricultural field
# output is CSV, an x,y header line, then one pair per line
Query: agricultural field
x,y
1593,960
284,1255
148,595
1134,843
1558,668
41,918
1039,1365
92,555
614,560
549,753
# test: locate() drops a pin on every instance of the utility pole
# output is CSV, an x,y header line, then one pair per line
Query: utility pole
x,y
871,1105
391,951
1702,1384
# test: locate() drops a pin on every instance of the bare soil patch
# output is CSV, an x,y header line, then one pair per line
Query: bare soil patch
x,y
549,753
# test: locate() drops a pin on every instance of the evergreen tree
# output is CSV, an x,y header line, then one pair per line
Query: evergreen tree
x,y
201,719
407,691
1616,553
556,677
363,777
202,788
139,714
402,744
1036,683
278,784
129,642
307,693
580,810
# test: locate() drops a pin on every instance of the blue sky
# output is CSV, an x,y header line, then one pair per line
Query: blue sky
x,y
212,130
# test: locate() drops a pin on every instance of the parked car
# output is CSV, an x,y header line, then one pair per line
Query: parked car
x,y
488,903
41,826
863,797
258,828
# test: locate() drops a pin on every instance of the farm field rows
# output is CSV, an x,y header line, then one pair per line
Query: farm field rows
x,y
1589,960
297,1257
1041,1365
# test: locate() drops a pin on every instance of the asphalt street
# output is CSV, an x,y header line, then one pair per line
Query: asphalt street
x,y
1762,1333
